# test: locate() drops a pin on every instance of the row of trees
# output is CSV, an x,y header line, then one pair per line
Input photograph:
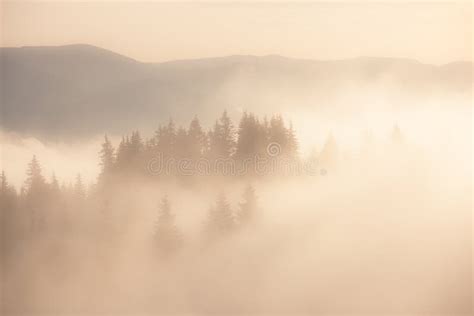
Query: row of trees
x,y
221,220
43,208
222,141
41,203
252,138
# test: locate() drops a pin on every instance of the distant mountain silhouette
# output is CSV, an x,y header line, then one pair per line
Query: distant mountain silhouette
x,y
81,90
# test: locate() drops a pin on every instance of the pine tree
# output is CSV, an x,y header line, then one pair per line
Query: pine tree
x,y
182,144
222,138
278,134
4,186
167,237
165,139
251,137
214,142
136,149
197,139
36,195
79,189
123,154
55,190
7,193
227,135
136,144
292,142
107,158
35,179
10,220
221,219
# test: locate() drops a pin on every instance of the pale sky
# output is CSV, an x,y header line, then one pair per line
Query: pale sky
x,y
158,31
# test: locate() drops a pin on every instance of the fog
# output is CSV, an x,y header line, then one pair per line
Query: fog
x,y
350,114
322,165
62,159
384,227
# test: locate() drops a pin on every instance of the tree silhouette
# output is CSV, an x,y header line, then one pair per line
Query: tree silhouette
x,y
221,220
252,137
123,154
107,159
197,140
55,189
182,144
5,188
136,143
9,217
7,195
292,142
278,132
79,190
136,151
167,237
222,138
165,139
36,195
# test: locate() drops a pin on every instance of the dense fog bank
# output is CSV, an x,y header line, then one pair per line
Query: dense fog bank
x,y
384,229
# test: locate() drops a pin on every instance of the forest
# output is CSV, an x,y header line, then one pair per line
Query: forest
x,y
197,220
42,205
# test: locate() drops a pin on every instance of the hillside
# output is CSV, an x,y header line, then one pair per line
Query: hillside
x,y
82,90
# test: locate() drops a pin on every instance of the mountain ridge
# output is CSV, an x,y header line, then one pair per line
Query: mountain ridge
x,y
105,50
80,89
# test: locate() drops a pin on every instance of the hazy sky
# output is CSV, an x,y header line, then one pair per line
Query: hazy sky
x,y
150,31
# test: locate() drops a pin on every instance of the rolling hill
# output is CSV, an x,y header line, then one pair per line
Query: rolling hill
x,y
81,90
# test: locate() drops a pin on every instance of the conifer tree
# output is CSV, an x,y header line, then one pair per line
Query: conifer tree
x,y
278,133
79,189
136,149
251,137
54,191
222,138
221,219
107,158
167,237
136,144
197,139
35,180
182,144
123,154
166,139
292,142
54,183
7,193
4,186
9,217
36,195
